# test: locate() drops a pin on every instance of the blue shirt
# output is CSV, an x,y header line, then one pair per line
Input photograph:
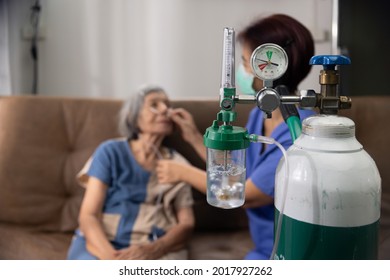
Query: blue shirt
x,y
261,168
137,209
115,165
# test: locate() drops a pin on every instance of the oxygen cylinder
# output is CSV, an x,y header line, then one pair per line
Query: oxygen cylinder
x,y
331,205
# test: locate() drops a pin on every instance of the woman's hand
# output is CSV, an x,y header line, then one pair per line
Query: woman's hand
x,y
140,252
169,171
110,254
174,240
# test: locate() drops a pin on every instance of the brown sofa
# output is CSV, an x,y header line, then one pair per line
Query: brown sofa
x,y
44,141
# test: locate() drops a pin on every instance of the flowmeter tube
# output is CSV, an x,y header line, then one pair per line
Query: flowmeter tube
x,y
228,78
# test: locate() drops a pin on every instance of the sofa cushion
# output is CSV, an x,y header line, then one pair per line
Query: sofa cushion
x,y
227,245
24,243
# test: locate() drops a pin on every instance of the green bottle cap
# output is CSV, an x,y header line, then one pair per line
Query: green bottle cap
x,y
226,137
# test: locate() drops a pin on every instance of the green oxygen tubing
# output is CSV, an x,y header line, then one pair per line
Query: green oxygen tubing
x,y
290,114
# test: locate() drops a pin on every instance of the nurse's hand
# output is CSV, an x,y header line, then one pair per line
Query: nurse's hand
x,y
186,123
168,171
189,131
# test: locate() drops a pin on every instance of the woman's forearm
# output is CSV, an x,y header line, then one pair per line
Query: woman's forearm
x,y
177,237
199,147
97,242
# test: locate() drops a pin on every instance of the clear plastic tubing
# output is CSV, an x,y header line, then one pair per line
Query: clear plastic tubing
x,y
268,140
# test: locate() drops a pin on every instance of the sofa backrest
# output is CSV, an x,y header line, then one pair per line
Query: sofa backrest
x,y
45,141
371,115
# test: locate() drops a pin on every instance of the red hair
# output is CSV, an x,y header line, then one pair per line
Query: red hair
x,y
292,36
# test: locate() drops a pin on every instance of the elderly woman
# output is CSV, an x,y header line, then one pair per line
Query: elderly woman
x,y
125,213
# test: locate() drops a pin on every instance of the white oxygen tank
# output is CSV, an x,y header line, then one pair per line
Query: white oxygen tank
x,y
332,204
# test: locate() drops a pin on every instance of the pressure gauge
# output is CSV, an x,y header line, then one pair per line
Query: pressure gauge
x,y
269,62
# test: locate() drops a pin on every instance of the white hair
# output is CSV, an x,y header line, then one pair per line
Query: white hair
x,y
128,115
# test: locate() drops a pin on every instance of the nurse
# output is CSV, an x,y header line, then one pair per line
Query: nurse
x,y
262,159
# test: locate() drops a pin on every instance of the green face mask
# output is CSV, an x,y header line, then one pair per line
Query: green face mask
x,y
244,81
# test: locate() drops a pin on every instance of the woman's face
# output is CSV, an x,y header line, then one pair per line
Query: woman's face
x,y
153,117
246,58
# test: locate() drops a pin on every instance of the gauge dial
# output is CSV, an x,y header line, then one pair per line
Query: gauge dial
x,y
269,62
